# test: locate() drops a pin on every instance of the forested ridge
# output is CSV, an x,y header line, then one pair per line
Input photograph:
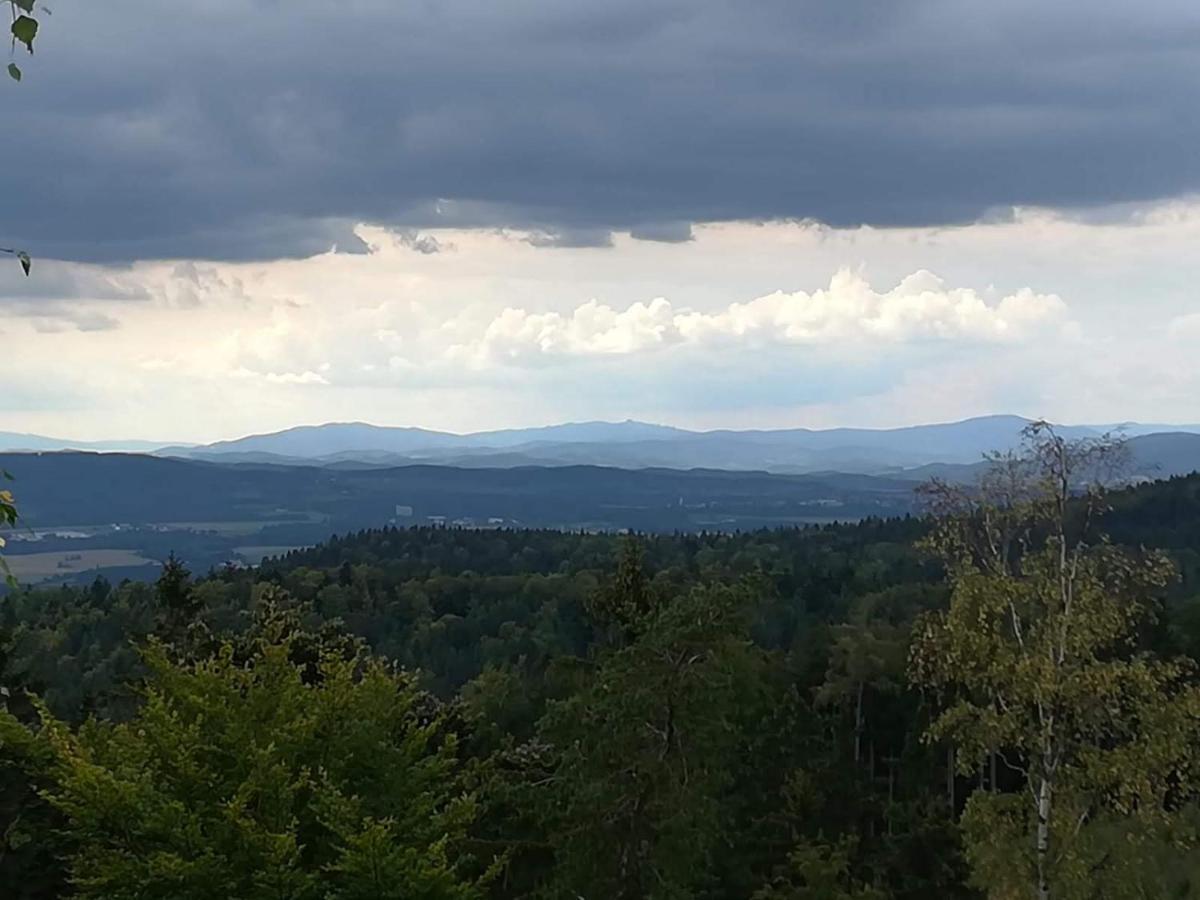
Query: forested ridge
x,y
782,713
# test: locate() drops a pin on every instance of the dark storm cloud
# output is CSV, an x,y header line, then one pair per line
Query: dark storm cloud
x,y
227,129
664,232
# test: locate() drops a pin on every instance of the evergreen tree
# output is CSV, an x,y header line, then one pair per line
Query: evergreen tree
x,y
178,602
250,778
640,758
623,606
29,843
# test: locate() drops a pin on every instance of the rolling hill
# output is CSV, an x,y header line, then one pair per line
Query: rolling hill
x,y
637,445
59,489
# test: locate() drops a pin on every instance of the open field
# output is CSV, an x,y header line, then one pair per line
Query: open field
x,y
30,568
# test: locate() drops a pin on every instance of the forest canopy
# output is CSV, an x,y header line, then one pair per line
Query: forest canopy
x,y
995,700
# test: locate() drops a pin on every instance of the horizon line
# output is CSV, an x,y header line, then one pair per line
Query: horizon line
x,y
150,445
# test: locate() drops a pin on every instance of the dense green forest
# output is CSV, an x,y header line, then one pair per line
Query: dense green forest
x,y
994,699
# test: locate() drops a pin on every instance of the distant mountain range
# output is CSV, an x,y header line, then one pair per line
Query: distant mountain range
x,y
639,445
914,451
18,442
340,439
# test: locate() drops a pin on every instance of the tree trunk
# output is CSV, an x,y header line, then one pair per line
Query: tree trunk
x,y
1042,846
891,794
950,778
858,725
992,761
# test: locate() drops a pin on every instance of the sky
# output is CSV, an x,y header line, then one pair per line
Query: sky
x,y
466,214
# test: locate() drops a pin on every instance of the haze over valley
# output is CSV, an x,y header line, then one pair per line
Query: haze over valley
x,y
89,509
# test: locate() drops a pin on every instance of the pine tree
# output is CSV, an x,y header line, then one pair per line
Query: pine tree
x,y
621,608
178,603
640,757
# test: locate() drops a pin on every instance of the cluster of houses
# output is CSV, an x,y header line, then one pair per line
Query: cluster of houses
x,y
405,516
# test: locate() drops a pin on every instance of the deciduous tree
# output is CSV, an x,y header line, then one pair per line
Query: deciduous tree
x,y
1038,660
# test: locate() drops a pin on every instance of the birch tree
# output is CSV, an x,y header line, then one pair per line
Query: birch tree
x,y
1039,659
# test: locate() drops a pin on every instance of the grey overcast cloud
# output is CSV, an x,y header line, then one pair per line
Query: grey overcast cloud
x,y
236,130
432,212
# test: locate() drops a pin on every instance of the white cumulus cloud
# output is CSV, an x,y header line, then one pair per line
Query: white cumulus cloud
x,y
592,329
920,308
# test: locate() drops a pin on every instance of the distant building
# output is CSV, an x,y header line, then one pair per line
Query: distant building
x,y
403,512
495,520
436,520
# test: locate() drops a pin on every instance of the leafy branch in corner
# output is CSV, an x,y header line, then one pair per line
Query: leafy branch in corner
x,y
8,518
22,257
24,29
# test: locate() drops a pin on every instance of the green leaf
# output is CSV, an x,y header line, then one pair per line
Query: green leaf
x,y
26,262
25,29
24,5
15,71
